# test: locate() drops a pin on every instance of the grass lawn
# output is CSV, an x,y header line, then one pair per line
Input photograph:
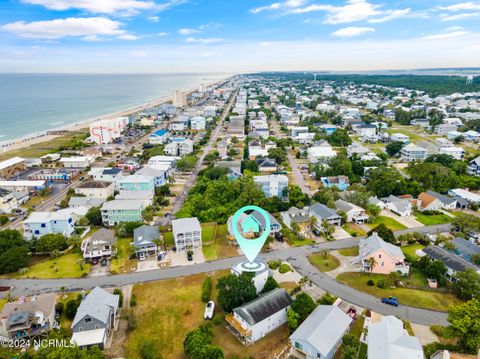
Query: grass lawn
x,y
208,232
43,148
65,266
2,302
389,222
362,353
173,307
349,252
123,264
413,137
296,242
412,297
357,327
220,247
410,249
288,286
433,219
322,263
352,228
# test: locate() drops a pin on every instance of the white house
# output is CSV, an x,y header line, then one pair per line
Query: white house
x,y
304,137
400,137
366,130
95,189
256,319
179,147
474,167
272,185
456,152
321,153
187,233
77,162
413,152
354,213
320,335
40,223
197,123
8,202
389,339
107,130
400,206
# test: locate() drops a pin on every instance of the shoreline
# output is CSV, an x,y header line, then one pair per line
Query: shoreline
x,y
43,136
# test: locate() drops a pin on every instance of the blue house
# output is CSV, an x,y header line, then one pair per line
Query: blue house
x,y
341,182
137,183
41,223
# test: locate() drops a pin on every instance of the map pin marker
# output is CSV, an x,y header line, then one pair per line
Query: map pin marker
x,y
250,247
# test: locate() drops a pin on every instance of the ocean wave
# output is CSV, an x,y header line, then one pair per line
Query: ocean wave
x,y
57,123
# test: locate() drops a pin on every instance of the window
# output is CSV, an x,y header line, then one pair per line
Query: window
x,y
97,326
379,256
80,329
88,320
43,225
298,345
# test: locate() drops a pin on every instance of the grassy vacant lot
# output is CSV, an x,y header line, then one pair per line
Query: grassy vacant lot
x,y
168,310
208,232
349,252
46,147
122,263
412,297
353,228
428,220
409,250
65,266
389,222
220,246
324,263
411,134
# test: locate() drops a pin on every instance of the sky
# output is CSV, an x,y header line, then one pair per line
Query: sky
x,y
236,36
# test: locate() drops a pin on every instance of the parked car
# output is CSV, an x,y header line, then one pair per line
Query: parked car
x,y
391,300
209,309
141,256
190,255
279,237
316,232
161,255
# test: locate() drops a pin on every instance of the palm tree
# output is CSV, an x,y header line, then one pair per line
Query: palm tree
x,y
313,222
81,263
372,262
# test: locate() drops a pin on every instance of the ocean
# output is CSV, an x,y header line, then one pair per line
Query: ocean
x,y
31,103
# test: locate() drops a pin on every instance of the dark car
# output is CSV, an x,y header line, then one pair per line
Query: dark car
x,y
391,301
316,232
190,255
279,237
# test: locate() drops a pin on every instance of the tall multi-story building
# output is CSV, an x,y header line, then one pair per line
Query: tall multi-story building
x,y
105,131
187,233
272,185
179,98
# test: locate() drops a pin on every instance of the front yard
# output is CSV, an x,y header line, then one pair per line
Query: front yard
x,y
389,222
411,297
430,220
324,262
218,246
169,309
410,249
354,229
69,265
122,263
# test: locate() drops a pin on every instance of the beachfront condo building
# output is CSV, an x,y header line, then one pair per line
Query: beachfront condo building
x,y
105,131
180,98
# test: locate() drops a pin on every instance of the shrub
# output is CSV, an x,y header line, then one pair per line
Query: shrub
x,y
217,319
206,289
370,283
147,349
382,284
284,268
118,291
133,300
274,264
326,299
438,330
3,220
71,310
59,307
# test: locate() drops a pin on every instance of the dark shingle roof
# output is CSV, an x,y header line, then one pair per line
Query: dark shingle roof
x,y
264,306
451,260
94,184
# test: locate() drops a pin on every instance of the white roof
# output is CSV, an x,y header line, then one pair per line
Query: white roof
x,y
35,183
76,159
463,193
323,328
89,337
270,178
388,339
123,204
186,224
10,162
321,151
42,217
137,179
413,147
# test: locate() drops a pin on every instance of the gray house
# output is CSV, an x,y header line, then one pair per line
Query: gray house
x,y
323,213
144,239
99,245
320,335
96,318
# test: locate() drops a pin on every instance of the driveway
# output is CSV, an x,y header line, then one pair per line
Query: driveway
x,y
345,265
179,258
147,264
98,270
424,334
408,221
340,233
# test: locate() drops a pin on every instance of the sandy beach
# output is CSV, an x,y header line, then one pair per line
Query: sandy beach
x,y
40,137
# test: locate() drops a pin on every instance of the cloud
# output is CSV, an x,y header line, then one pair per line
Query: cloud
x,y
153,18
391,15
460,11
461,6
137,53
446,35
352,31
208,40
88,28
460,16
289,4
128,37
188,31
126,7
163,33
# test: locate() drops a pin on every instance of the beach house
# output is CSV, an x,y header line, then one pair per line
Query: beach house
x,y
40,223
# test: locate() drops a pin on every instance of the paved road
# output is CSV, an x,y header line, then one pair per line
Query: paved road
x,y
297,256
180,199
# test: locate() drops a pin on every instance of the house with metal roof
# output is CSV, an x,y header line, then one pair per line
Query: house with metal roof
x,y
465,248
453,262
447,202
389,339
99,245
255,319
354,213
400,206
187,233
96,318
300,217
323,213
320,335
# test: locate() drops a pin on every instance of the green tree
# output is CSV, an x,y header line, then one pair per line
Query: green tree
x,y
292,319
13,259
206,289
464,322
384,232
50,242
393,148
94,216
467,285
270,284
303,304
147,348
350,346
71,308
436,269
339,138
234,291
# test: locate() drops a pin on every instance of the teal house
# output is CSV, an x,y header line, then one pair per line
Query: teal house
x,y
137,183
119,211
